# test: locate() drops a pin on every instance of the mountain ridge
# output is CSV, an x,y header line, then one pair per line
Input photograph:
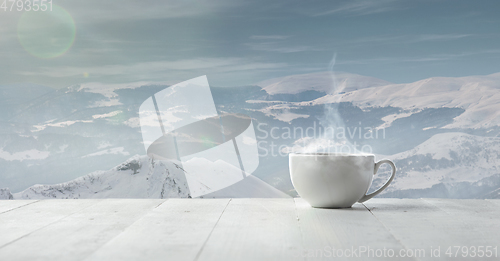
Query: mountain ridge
x,y
139,177
72,137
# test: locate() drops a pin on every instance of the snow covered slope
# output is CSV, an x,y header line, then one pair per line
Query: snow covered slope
x,y
60,135
445,161
141,177
321,82
478,95
5,193
138,177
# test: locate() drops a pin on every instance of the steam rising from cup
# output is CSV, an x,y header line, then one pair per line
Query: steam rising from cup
x,y
332,124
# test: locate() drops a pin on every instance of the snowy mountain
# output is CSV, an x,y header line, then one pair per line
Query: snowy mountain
x,y
441,132
321,82
142,177
5,194
138,177
52,136
451,165
479,96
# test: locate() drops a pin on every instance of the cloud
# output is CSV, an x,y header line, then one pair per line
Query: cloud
x,y
405,39
279,48
144,70
362,7
269,37
145,9
278,45
32,154
430,58
440,37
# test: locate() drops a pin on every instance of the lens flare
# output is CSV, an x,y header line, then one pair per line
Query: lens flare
x,y
46,34
118,118
208,142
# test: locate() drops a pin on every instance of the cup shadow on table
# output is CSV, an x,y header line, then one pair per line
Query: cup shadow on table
x,y
380,208
374,207
355,207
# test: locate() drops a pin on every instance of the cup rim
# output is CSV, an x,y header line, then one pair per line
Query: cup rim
x,y
334,154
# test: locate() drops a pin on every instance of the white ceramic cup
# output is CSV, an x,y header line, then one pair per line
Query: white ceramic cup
x,y
334,180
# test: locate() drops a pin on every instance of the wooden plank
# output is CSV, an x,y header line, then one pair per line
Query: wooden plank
x,y
495,202
255,229
176,230
480,219
19,222
343,233
244,229
8,205
80,234
424,227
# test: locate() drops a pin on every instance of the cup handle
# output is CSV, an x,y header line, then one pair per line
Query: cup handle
x,y
377,165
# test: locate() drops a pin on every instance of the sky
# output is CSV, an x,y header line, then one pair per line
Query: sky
x,y
241,42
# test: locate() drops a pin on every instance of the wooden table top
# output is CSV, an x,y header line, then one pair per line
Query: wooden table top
x,y
248,229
